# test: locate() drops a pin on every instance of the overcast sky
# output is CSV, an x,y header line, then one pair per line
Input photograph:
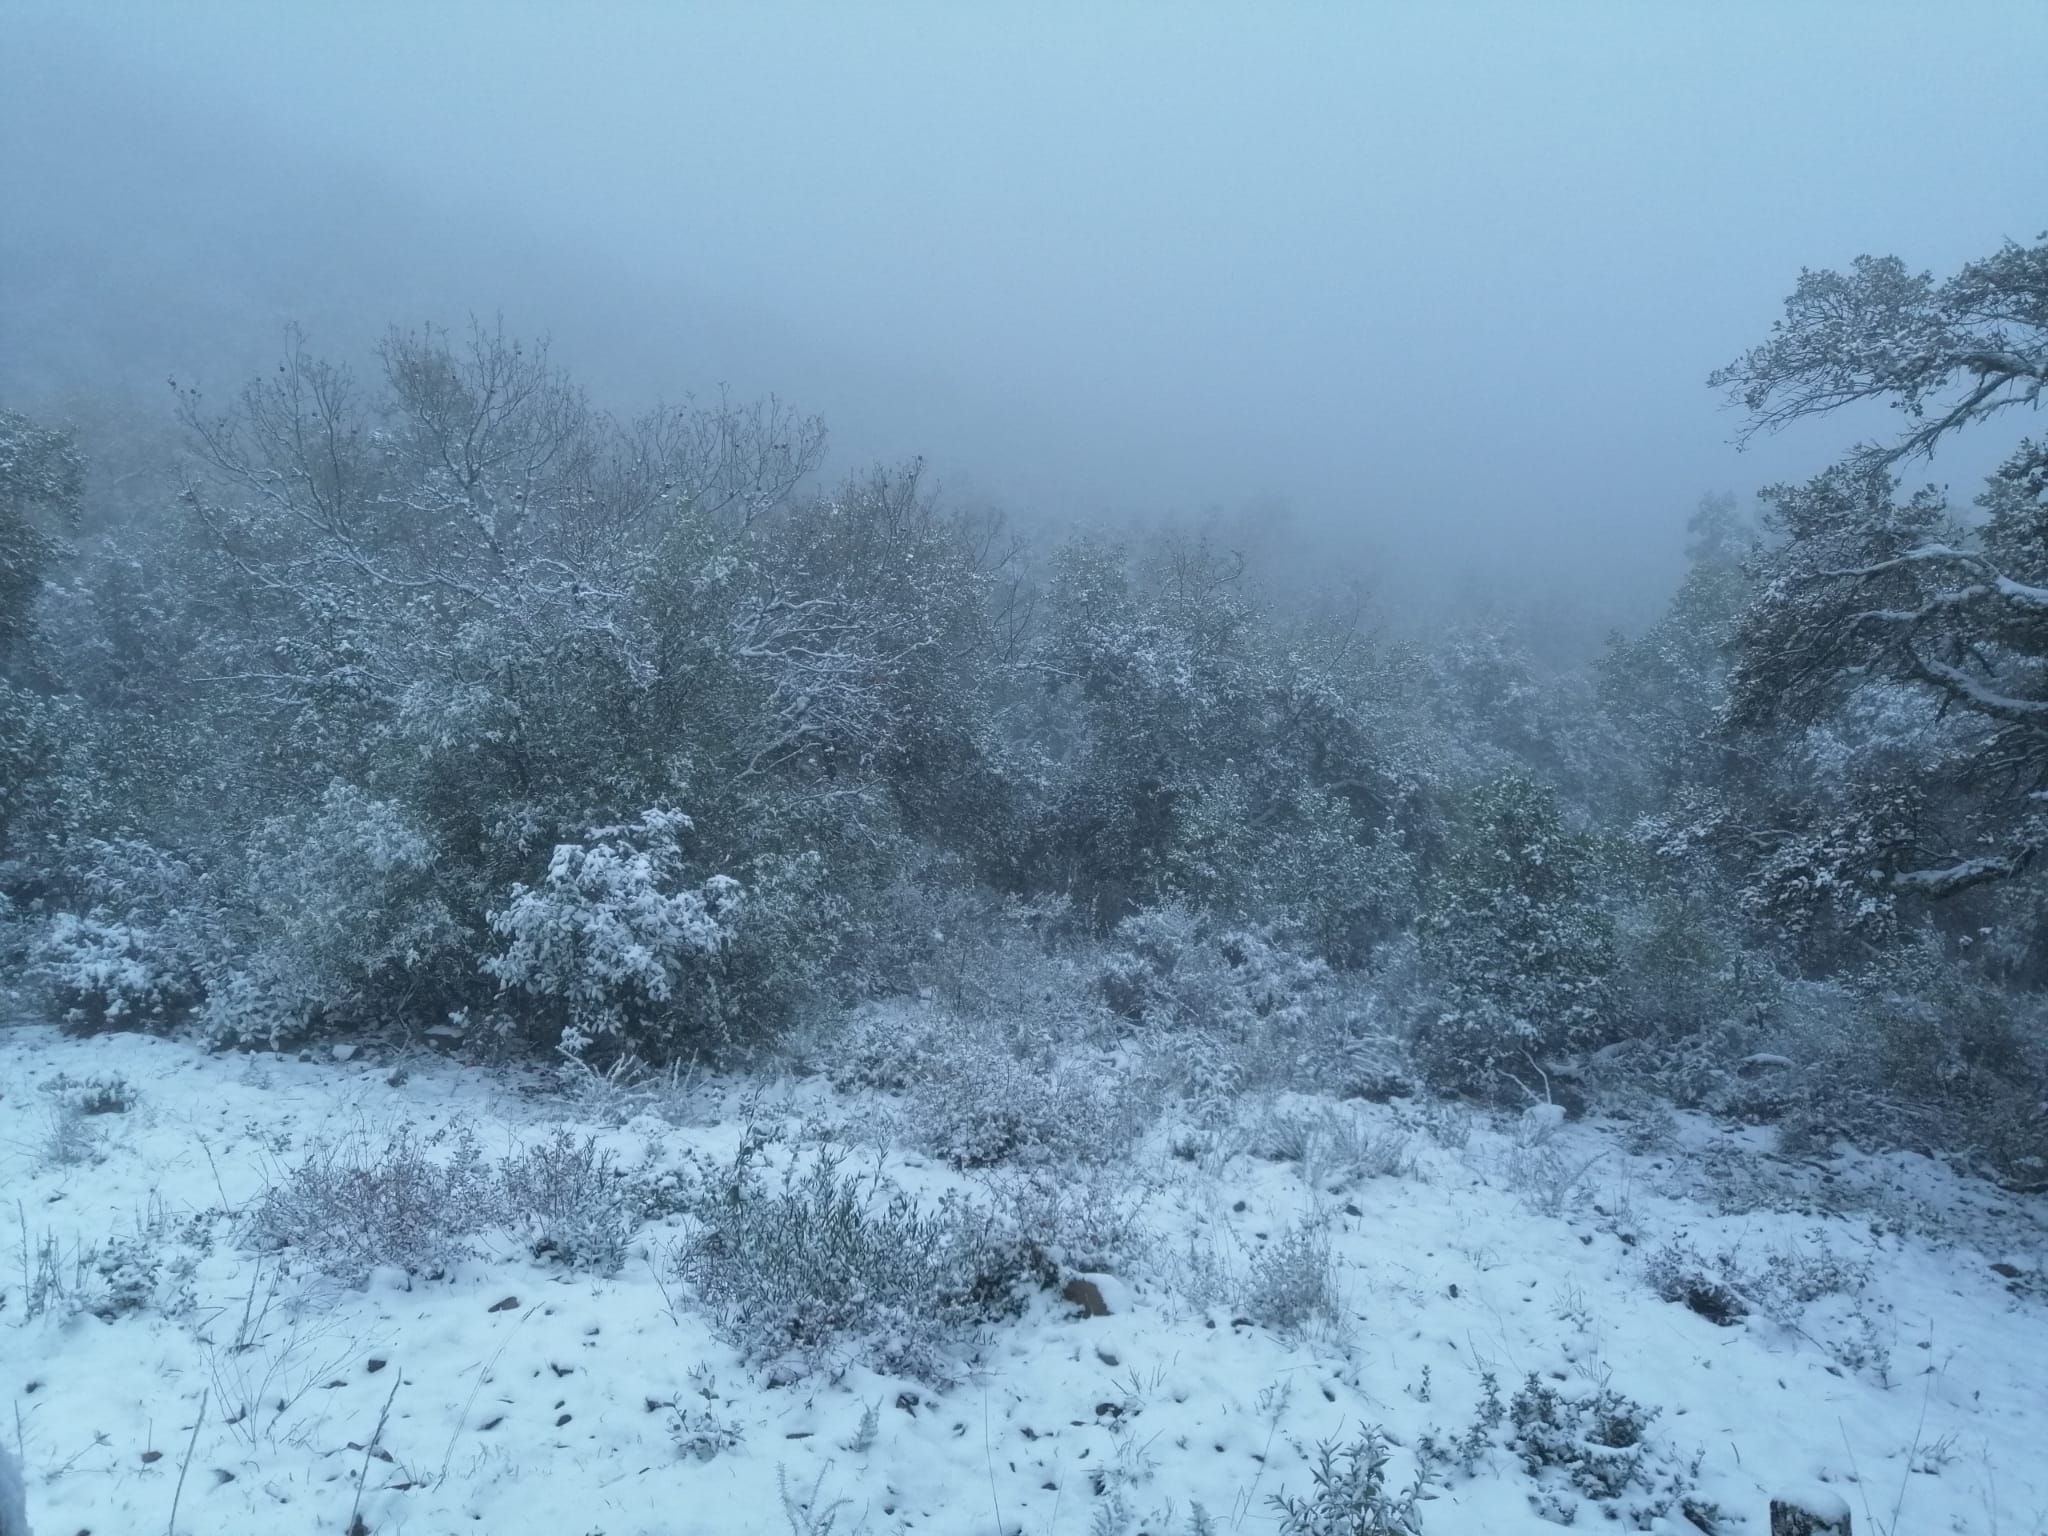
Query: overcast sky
x,y
1441,281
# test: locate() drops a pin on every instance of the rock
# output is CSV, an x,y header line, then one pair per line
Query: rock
x,y
343,1051
2010,1271
506,1305
1086,1295
1810,1514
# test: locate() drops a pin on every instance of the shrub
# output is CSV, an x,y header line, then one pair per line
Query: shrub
x,y
980,1108
822,1263
1351,1496
103,1093
352,1207
1085,1220
987,1090
621,948
1597,1445
104,975
1515,945
571,1202
612,939
1292,1281
338,912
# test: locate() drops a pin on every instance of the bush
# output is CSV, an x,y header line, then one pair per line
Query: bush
x,y
1516,947
104,975
1597,1445
1292,1282
336,913
1787,1288
571,1202
1231,1009
103,1093
822,1264
353,1207
620,949
1351,1497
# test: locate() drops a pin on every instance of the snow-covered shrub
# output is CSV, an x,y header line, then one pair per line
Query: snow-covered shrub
x,y
103,975
149,1266
1516,946
612,933
818,1264
1811,1292
1351,1496
995,1100
986,1088
620,949
1230,1009
339,911
1082,1220
1679,1273
1597,1446
1291,1283
102,1093
354,1206
571,1202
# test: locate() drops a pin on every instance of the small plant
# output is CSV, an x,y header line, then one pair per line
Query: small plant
x,y
1293,1281
352,1207
71,1141
824,1261
1466,1450
571,1202
1679,1273
101,1094
1598,1447
870,1428
806,1515
702,1434
1351,1497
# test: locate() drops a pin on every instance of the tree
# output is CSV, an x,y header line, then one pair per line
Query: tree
x,y
1870,593
41,481
1517,944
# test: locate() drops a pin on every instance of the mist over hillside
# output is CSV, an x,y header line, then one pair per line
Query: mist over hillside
x,y
1007,769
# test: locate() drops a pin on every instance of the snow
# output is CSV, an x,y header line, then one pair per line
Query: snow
x,y
551,1415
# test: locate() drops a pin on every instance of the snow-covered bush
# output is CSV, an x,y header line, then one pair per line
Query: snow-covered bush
x,y
620,948
571,1202
613,938
985,1095
1517,947
1809,1291
1081,1220
1597,1446
353,1206
1292,1283
818,1264
103,975
338,911
1230,1009
101,1093
1351,1496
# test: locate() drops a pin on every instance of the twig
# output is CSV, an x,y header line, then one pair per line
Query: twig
x,y
470,1401
171,1528
355,1512
989,1460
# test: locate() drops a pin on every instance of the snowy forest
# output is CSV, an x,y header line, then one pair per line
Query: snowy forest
x,y
982,1012
433,704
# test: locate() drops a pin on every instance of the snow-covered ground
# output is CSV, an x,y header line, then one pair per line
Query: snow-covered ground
x,y
1903,1366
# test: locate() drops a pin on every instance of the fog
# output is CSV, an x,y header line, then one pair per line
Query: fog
x,y
1437,288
